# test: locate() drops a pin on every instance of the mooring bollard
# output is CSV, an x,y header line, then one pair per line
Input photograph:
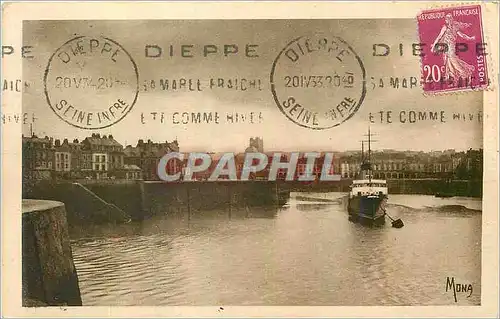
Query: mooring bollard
x,y
49,273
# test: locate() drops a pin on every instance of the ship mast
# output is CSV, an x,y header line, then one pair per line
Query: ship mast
x,y
369,154
362,152
369,145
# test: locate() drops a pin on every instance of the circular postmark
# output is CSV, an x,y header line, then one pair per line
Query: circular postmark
x,y
318,81
91,82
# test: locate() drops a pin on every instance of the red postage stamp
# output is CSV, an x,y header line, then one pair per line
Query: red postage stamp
x,y
452,49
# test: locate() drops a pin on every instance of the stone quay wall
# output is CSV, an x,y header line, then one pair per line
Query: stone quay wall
x,y
49,276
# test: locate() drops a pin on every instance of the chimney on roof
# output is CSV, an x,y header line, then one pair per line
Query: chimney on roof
x,y
140,142
93,134
98,135
75,140
57,143
149,141
110,136
104,136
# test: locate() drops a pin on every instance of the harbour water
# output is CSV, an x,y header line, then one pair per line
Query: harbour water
x,y
306,253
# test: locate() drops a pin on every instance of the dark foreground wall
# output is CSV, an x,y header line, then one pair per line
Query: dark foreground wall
x,y
179,198
400,186
89,203
49,274
434,186
119,201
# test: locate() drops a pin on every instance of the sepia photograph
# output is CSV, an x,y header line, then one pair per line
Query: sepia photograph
x,y
278,162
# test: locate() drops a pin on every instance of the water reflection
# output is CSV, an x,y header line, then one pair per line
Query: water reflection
x,y
305,253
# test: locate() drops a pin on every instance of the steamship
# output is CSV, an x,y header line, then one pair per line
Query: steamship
x,y
367,199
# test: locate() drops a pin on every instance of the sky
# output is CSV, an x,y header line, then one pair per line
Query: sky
x,y
270,36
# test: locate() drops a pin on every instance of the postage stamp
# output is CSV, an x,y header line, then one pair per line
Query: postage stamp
x,y
184,162
453,49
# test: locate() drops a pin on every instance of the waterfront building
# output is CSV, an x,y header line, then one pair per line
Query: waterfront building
x,y
62,159
389,164
146,156
67,159
106,155
76,158
470,165
38,157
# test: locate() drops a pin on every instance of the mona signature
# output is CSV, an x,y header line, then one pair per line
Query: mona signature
x,y
458,287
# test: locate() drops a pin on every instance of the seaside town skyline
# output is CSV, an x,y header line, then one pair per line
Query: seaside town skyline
x,y
208,149
101,156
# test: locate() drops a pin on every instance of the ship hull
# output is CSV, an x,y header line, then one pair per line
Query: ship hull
x,y
368,210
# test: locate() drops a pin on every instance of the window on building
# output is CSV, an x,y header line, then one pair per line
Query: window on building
x,y
66,166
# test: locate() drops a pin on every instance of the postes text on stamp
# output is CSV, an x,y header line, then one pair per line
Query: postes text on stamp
x,y
453,50
318,81
91,82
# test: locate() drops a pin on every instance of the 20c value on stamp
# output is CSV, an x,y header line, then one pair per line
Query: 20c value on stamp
x,y
318,81
91,82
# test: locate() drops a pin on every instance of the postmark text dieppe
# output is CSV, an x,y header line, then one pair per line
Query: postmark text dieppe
x,y
91,82
318,81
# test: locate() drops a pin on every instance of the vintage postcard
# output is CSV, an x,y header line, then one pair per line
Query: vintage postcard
x,y
241,159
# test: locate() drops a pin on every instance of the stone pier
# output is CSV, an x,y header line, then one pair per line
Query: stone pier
x,y
49,274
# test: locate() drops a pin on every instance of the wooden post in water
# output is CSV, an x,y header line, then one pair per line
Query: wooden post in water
x,y
49,274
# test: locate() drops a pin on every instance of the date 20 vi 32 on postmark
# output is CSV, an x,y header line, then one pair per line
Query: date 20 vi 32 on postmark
x,y
452,49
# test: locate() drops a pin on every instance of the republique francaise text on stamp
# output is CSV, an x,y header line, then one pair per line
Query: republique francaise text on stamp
x,y
453,49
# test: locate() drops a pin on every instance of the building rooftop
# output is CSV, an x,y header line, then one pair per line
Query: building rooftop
x,y
36,139
97,139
